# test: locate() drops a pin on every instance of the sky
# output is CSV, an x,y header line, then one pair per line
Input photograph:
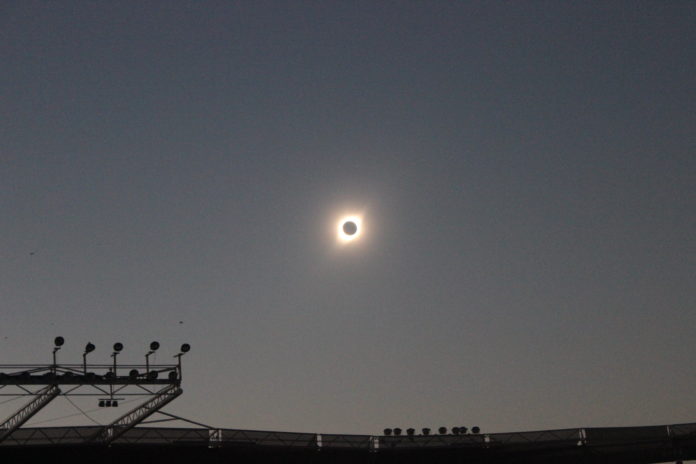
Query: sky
x,y
524,172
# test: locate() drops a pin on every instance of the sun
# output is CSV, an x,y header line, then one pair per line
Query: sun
x,y
349,228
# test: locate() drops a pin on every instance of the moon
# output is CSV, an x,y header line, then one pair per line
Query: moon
x,y
349,228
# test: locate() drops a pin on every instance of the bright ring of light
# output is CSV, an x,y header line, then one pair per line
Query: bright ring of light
x,y
347,225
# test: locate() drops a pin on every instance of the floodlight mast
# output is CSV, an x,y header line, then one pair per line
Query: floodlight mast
x,y
154,346
58,343
117,349
183,350
89,347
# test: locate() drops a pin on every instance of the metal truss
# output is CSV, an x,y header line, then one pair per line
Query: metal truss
x,y
129,420
161,383
101,377
15,421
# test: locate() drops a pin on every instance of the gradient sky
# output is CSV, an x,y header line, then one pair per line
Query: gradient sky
x,y
525,171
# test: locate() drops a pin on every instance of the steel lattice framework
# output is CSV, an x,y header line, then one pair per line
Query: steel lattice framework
x,y
159,383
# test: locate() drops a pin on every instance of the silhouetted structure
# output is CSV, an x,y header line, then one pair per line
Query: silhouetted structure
x,y
122,441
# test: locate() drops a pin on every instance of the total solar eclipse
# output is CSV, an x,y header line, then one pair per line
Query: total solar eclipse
x,y
349,228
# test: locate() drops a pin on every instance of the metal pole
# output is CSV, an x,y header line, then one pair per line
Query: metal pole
x,y
113,355
178,356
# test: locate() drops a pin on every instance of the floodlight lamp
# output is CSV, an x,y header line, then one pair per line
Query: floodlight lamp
x,y
59,341
455,430
101,403
118,347
397,431
411,432
462,430
173,375
114,403
387,432
442,430
475,429
154,346
185,348
426,431
89,347
133,374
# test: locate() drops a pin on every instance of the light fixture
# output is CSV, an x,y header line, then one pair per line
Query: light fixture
x,y
118,347
387,432
475,429
89,347
442,430
57,342
185,348
154,346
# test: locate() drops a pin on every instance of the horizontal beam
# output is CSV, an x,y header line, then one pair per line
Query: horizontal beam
x,y
79,380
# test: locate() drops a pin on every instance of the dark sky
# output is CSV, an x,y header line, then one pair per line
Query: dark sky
x,y
525,173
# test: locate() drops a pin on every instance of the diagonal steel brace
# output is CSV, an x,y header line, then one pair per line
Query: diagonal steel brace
x,y
129,420
15,421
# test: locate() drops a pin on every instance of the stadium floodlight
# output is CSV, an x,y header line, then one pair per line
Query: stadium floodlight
x,y
58,343
101,403
387,432
475,429
426,431
185,348
154,346
89,347
118,347
410,431
462,430
397,431
442,430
